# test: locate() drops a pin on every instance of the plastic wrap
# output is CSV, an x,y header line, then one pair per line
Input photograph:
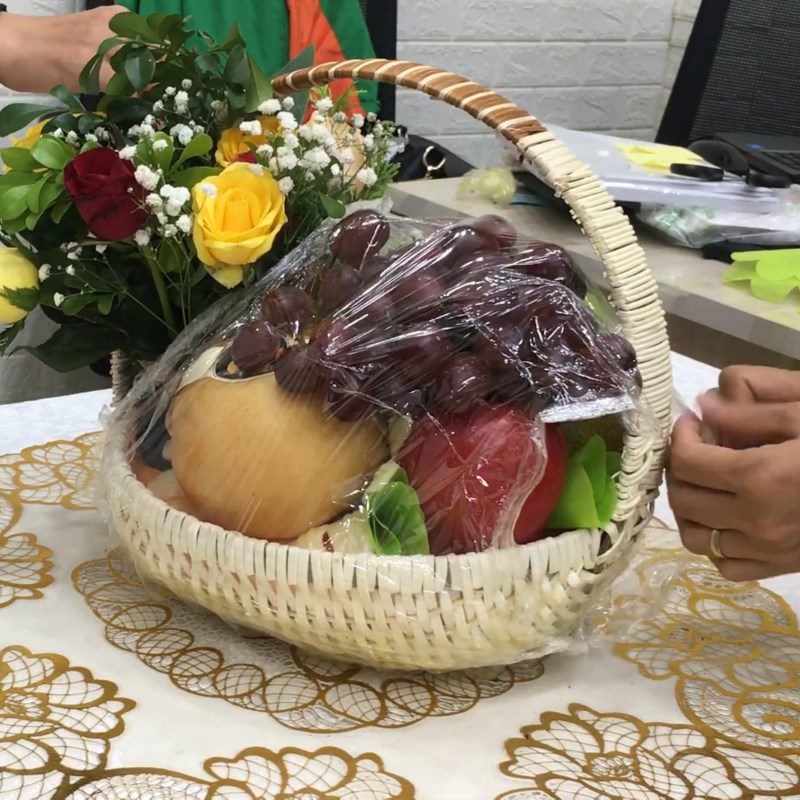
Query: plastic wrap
x,y
386,354
398,388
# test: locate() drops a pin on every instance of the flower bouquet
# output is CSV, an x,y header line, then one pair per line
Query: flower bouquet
x,y
189,180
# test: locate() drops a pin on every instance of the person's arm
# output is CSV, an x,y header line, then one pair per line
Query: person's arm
x,y
40,52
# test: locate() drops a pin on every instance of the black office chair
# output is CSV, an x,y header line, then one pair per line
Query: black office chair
x,y
381,18
740,73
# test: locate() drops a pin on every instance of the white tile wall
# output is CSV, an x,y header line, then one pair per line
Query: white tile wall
x,y
603,65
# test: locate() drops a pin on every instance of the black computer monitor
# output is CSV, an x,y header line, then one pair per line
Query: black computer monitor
x,y
740,73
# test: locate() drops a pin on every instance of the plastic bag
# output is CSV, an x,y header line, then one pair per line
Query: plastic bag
x,y
396,387
698,226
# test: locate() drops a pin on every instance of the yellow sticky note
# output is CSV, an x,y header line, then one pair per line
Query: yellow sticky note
x,y
657,156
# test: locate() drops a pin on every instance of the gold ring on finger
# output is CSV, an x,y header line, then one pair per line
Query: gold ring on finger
x,y
714,543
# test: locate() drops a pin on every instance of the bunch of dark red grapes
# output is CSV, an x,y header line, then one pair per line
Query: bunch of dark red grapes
x,y
462,317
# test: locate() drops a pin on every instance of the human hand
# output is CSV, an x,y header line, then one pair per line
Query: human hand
x,y
38,53
750,496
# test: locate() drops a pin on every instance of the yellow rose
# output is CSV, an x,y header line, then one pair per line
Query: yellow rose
x,y
234,143
31,136
238,214
16,272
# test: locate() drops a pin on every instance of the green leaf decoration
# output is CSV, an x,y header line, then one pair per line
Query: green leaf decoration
x,y
13,203
75,303
25,299
171,257
233,39
133,26
259,87
140,66
208,62
119,85
67,97
199,146
52,153
19,158
194,175
16,116
335,209
302,60
589,496
105,304
237,70
75,346
125,111
396,520
163,156
89,78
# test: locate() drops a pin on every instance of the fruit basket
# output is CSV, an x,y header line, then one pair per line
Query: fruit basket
x,y
435,612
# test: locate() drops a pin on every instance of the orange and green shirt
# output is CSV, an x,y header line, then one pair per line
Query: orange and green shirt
x,y
276,31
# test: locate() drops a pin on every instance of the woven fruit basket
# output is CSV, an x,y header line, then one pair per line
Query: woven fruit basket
x,y
425,612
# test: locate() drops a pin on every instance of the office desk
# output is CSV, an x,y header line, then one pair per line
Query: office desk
x,y
708,321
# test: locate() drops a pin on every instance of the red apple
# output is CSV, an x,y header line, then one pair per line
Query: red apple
x,y
542,501
466,469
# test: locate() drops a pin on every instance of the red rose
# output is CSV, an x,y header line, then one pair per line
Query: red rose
x,y
106,194
248,158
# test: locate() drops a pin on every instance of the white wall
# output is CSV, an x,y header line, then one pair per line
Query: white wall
x,y
599,65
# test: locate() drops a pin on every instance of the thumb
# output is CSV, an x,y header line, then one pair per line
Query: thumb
x,y
741,425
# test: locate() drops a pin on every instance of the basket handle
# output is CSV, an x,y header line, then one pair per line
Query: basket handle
x,y
633,289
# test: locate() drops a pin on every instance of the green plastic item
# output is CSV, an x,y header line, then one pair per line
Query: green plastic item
x,y
396,519
589,496
772,275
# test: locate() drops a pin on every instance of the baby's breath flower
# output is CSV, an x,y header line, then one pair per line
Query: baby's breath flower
x,y
288,103
369,142
70,270
256,169
160,144
183,133
208,189
147,177
58,133
291,141
44,272
184,223
336,170
357,120
90,137
265,151
100,248
216,105
74,255
181,102
153,200
340,116
372,116
149,120
306,132
142,237
58,299
147,131
288,160
270,107
72,138
286,185
170,231
251,127
367,176
287,121
186,83
170,91
158,106
324,105
162,218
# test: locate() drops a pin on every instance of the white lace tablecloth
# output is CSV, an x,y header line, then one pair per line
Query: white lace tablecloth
x,y
108,693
